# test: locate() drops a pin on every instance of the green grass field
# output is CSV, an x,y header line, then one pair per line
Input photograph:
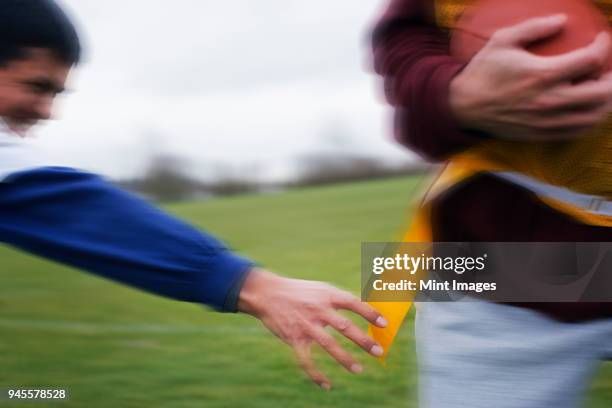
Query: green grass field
x,y
110,345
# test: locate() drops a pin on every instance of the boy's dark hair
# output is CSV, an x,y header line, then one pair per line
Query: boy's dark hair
x,y
37,24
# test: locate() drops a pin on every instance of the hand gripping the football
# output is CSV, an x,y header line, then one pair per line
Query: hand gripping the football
x,y
511,93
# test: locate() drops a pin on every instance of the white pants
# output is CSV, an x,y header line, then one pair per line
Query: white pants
x,y
480,354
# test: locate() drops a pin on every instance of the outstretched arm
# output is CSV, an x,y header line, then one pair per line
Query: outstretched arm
x,y
80,220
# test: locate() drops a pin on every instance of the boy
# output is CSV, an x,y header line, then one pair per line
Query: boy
x,y
79,219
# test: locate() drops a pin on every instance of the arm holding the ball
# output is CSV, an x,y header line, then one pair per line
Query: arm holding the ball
x,y
413,57
443,106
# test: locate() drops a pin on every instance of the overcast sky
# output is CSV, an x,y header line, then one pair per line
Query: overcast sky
x,y
234,82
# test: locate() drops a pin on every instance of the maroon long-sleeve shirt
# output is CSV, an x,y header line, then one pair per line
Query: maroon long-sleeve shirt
x,y
412,55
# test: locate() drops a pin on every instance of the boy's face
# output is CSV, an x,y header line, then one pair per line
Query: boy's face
x,y
28,86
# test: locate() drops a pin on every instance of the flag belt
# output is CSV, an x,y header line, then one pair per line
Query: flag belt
x,y
591,204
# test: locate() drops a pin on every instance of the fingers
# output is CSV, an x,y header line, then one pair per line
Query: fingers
x,y
555,135
581,62
573,109
586,94
531,30
564,124
349,302
304,357
346,327
329,344
573,121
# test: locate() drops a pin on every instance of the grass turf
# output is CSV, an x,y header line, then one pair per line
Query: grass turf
x,y
110,345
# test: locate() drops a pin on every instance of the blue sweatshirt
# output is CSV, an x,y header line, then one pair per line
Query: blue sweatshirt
x,y
81,220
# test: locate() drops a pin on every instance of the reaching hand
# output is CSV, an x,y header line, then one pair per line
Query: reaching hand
x,y
298,311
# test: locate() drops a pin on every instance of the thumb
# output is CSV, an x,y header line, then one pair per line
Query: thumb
x,y
531,30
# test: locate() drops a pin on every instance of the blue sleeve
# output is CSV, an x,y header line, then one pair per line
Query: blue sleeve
x,y
81,220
